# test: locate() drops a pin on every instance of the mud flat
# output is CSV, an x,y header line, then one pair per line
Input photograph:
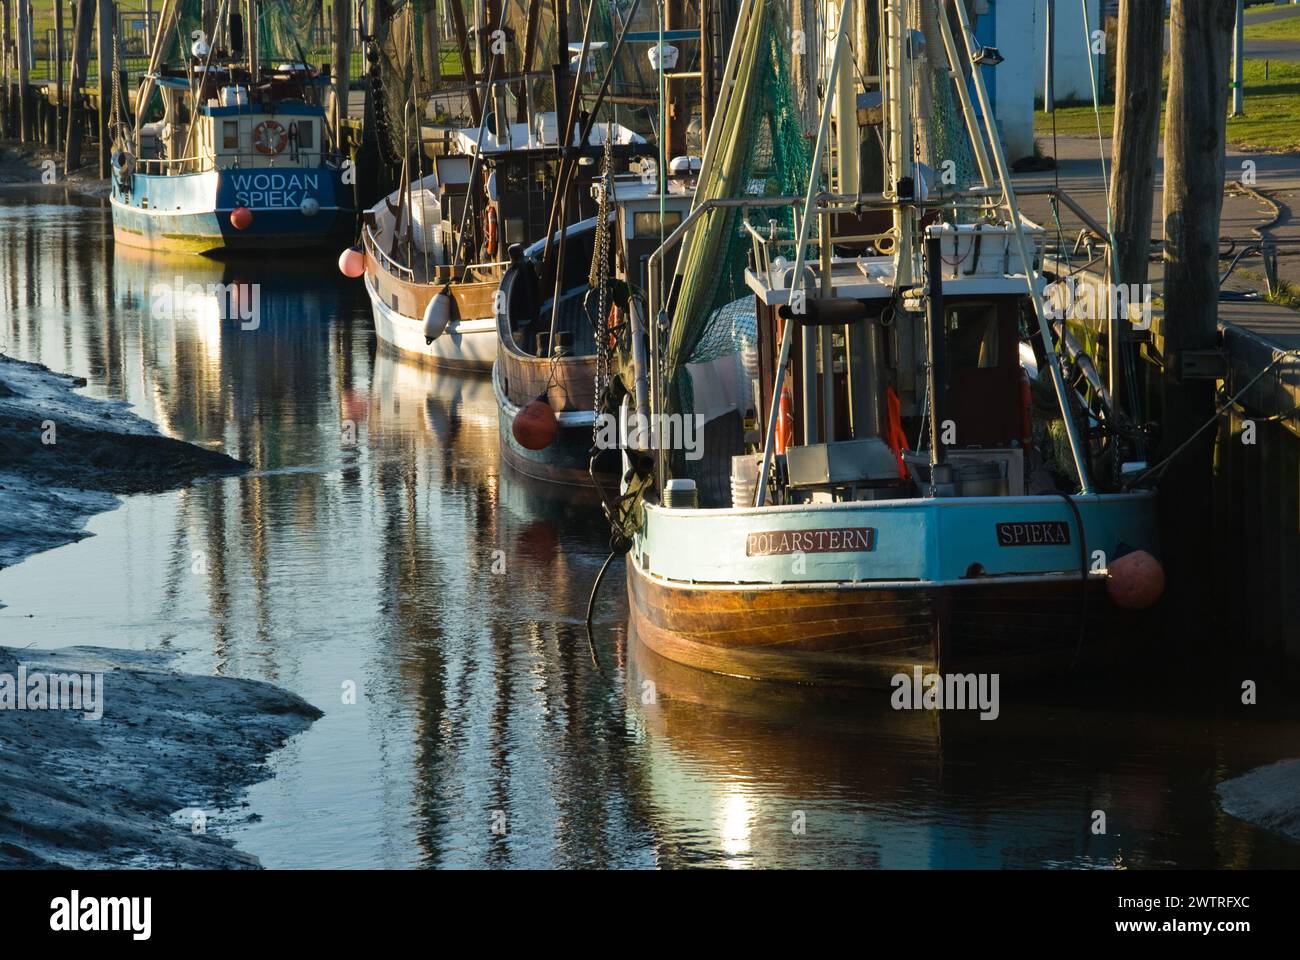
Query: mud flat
x,y
126,789
1267,797
23,165
48,490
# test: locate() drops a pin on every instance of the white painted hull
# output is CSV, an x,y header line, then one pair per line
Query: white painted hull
x,y
465,345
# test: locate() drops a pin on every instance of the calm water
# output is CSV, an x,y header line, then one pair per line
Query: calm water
x,y
373,564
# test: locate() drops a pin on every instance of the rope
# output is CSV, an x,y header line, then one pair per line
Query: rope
x,y
1160,467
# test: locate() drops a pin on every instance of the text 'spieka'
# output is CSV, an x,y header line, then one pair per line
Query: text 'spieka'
x,y
1034,533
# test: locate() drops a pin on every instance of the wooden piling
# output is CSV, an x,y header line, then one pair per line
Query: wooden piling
x,y
341,21
76,81
1136,135
57,53
104,51
6,94
1200,38
24,53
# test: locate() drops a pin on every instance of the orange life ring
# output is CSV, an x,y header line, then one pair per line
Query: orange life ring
x,y
269,138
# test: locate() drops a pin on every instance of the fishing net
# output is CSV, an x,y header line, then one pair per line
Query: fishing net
x,y
761,149
285,29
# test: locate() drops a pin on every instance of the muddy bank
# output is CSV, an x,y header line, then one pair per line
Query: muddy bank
x,y
126,790
1268,797
64,456
24,164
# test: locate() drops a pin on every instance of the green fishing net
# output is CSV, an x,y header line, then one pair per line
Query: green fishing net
x,y
761,150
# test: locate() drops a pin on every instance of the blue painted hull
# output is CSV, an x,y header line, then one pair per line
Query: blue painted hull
x,y
191,211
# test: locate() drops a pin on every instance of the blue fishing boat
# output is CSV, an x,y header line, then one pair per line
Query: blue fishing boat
x,y
225,152
925,473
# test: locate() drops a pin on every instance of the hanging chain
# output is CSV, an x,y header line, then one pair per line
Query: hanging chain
x,y
599,278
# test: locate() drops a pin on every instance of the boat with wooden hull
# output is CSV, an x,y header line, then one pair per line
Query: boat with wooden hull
x,y
547,353
400,297
1010,536
882,587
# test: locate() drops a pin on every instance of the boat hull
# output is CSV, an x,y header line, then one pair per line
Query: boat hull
x,y
566,461
468,345
190,212
860,635
930,587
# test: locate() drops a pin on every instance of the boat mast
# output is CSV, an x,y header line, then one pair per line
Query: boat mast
x,y
801,249
250,40
898,121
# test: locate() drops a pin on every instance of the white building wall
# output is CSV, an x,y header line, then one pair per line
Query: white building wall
x,y
1020,31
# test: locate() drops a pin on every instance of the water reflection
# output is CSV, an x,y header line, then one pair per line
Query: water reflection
x,y
379,545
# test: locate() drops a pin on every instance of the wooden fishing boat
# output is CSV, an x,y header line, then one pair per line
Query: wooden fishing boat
x,y
227,153
435,247
554,353
883,313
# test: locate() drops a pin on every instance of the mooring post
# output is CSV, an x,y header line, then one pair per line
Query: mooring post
x,y
1133,158
6,104
85,18
1200,42
104,53
25,124
341,62
57,54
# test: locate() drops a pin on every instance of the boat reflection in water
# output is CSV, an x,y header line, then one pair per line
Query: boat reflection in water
x,y
733,768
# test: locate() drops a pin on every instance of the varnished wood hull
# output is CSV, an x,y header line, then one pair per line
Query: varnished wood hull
x,y
856,634
566,461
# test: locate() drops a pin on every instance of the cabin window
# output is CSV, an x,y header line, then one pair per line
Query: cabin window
x,y
973,336
230,135
306,133
645,226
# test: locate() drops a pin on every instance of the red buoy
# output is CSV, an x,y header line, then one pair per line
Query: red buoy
x,y
352,262
1135,581
535,426
241,218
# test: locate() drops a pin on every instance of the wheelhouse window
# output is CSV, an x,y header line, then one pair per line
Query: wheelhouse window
x,y
230,135
306,135
973,336
645,226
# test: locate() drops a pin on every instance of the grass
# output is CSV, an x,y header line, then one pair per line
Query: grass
x,y
1271,123
1285,294
1286,28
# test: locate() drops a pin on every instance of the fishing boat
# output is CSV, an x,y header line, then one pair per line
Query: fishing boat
x,y
566,299
435,246
938,481
554,355
231,147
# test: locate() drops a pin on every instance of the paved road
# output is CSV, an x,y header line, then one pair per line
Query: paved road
x,y
1273,49
1277,175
